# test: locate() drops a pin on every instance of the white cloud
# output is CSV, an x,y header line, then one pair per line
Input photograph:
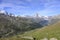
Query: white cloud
x,y
11,5
2,11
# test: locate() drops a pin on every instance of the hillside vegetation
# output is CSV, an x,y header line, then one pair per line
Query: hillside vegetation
x,y
12,25
18,28
52,31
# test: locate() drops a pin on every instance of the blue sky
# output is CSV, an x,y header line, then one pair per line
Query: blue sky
x,y
31,7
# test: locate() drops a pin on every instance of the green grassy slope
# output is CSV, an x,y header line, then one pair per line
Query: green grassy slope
x,y
14,38
52,31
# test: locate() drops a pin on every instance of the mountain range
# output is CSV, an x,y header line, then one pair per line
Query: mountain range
x,y
12,25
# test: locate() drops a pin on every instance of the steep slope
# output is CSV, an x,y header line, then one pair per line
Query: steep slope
x,y
52,31
12,25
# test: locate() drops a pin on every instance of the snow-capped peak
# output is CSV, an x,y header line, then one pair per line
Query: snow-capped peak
x,y
2,11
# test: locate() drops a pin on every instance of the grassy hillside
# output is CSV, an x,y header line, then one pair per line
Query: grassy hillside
x,y
10,26
52,31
